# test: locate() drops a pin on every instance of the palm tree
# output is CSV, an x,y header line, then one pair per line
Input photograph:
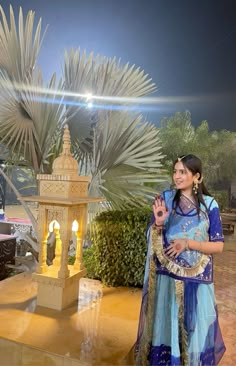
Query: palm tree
x,y
116,147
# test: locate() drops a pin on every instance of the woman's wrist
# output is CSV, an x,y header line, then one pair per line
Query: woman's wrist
x,y
190,244
158,225
195,245
186,243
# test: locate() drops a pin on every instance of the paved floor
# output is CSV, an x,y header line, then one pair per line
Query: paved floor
x,y
225,279
100,331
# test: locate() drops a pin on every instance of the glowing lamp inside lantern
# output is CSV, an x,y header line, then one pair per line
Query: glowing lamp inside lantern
x,y
54,225
75,226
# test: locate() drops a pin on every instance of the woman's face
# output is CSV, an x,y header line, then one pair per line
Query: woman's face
x,y
183,177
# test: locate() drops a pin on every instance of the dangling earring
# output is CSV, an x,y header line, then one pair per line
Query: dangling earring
x,y
195,185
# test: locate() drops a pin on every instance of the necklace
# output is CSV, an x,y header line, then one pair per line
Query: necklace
x,y
188,199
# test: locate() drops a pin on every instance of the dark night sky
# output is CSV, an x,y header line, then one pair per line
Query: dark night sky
x,y
188,47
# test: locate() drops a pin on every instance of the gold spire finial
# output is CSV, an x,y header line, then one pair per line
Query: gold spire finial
x,y
66,142
65,164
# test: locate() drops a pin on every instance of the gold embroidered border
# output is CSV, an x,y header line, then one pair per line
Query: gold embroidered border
x,y
183,335
141,357
174,267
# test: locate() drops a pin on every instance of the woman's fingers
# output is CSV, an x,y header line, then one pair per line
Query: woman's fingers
x,y
170,250
158,200
171,253
158,204
174,249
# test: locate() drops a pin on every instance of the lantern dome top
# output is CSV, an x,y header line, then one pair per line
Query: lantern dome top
x,y
65,164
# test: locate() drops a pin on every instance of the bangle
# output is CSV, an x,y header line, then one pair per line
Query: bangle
x,y
186,245
158,226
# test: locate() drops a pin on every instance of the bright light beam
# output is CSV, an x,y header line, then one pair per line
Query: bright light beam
x,y
115,100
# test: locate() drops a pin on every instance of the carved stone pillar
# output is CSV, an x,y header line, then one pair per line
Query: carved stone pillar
x,y
42,266
57,259
79,252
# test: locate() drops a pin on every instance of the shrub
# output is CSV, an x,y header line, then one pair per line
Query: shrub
x,y
117,256
222,198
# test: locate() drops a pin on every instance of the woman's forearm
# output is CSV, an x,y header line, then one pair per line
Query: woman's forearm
x,y
207,247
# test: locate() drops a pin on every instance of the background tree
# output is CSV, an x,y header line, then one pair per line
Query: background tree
x,y
216,149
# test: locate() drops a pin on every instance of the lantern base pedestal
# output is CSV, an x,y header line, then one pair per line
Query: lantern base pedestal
x,y
57,293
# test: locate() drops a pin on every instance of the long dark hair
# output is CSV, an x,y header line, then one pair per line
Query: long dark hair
x,y
194,164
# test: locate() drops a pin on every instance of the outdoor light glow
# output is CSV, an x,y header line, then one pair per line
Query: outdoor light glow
x,y
75,225
90,105
54,225
88,96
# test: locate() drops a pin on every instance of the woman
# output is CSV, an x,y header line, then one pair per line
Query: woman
x,y
178,321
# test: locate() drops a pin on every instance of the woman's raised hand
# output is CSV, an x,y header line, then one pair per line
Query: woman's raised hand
x,y
159,210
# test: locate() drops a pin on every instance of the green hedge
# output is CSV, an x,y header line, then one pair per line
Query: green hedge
x,y
222,198
117,256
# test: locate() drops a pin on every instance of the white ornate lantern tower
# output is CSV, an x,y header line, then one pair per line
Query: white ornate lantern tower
x,y
63,204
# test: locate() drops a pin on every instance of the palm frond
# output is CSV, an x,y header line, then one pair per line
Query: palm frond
x,y
124,159
29,119
19,49
102,77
